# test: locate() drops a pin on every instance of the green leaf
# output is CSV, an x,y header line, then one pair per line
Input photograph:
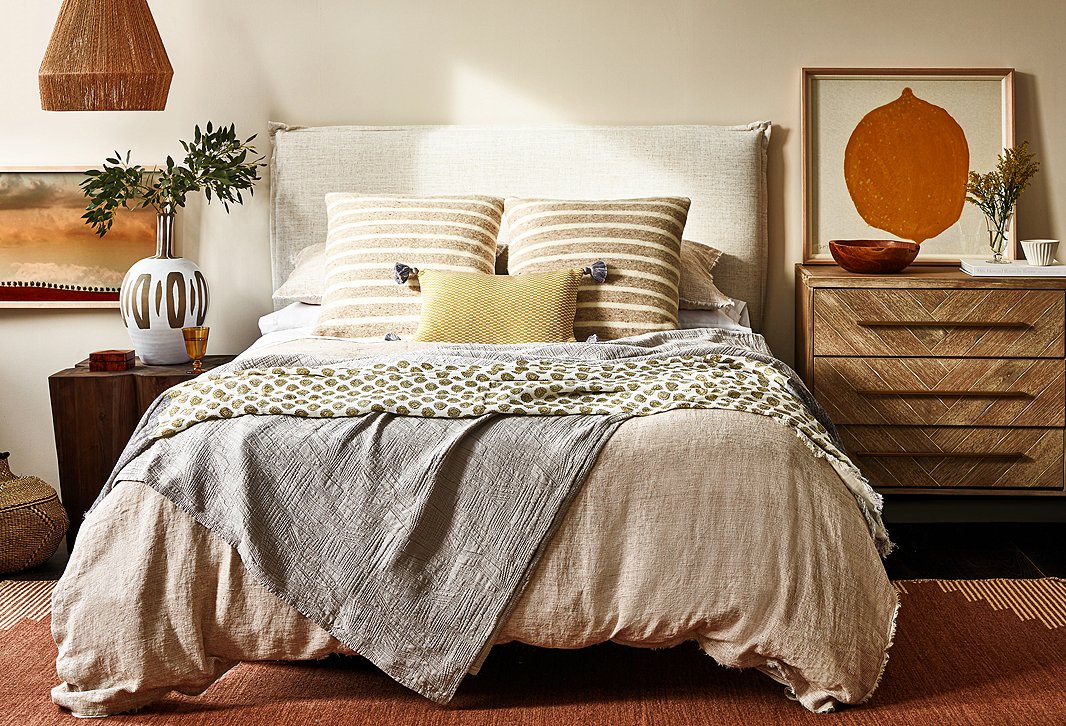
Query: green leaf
x,y
216,162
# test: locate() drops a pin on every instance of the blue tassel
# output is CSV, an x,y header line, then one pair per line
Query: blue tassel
x,y
597,271
391,337
403,273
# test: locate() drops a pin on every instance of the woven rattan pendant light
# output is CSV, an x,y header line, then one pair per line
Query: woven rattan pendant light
x,y
105,55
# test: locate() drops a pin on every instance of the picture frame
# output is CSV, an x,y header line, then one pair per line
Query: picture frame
x,y
49,257
835,100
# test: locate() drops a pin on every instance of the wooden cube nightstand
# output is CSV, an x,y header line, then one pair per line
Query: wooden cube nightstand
x,y
94,415
939,382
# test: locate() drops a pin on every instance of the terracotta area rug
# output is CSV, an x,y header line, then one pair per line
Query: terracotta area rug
x,y
967,652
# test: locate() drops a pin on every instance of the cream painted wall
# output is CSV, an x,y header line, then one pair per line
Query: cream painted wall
x,y
482,61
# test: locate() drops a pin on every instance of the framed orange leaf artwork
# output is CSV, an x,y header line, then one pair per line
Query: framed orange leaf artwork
x,y
49,257
886,153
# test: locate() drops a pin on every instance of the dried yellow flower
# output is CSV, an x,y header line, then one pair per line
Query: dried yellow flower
x,y
996,192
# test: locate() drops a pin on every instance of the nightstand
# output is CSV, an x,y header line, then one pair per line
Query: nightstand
x,y
939,382
94,415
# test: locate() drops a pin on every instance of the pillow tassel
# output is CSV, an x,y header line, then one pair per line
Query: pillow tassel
x,y
597,271
404,272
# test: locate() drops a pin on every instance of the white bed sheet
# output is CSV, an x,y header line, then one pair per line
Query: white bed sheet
x,y
296,320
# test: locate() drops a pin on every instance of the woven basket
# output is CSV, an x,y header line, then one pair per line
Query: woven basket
x,y
32,520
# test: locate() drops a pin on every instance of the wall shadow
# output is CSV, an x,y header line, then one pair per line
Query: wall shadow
x,y
1036,212
777,320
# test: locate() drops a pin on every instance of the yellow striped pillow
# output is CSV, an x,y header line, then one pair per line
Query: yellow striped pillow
x,y
368,234
470,307
639,239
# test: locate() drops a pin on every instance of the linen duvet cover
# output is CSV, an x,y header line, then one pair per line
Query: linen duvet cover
x,y
669,487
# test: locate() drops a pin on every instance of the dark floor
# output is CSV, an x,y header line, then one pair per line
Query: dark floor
x,y
975,551
923,551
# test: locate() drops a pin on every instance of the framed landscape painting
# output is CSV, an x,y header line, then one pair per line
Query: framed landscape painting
x,y
49,257
886,152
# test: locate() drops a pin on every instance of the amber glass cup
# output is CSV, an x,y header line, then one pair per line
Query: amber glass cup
x,y
196,346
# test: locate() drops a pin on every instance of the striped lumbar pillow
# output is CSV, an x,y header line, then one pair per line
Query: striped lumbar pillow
x,y
639,239
469,307
368,234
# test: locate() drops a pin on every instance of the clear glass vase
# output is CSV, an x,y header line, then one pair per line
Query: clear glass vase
x,y
997,241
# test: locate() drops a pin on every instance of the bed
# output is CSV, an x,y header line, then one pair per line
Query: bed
x,y
676,526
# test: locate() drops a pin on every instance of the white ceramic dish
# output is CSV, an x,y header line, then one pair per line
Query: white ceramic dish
x,y
1040,252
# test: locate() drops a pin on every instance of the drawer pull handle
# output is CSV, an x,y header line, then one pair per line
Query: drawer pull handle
x,y
951,394
945,454
940,324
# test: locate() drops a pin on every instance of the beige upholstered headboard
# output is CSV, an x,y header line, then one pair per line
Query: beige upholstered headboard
x,y
721,168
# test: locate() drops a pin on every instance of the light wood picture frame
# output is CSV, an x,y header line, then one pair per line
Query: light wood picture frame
x,y
835,100
49,257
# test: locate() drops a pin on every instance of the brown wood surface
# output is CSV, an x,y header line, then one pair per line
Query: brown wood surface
x,y
804,339
941,457
93,421
928,320
942,391
937,277
937,379
94,414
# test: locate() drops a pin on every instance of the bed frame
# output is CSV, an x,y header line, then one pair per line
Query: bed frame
x,y
721,168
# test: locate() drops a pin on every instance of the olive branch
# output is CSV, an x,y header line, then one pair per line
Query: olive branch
x,y
216,161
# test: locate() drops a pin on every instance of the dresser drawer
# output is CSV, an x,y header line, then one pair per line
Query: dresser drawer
x,y
938,323
936,457
942,391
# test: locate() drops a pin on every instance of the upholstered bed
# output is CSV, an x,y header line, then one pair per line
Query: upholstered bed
x,y
678,526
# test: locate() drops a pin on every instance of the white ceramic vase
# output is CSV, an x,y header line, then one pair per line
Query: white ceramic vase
x,y
161,295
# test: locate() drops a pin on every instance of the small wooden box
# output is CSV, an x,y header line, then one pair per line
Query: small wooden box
x,y
111,360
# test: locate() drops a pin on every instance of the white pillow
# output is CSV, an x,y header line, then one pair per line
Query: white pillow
x,y
732,317
307,281
297,315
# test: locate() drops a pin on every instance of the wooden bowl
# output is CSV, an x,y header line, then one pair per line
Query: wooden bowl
x,y
873,256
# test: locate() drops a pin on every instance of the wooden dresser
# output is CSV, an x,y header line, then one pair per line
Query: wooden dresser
x,y
940,383
94,415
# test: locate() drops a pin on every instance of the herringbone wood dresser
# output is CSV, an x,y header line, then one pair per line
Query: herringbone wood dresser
x,y
939,382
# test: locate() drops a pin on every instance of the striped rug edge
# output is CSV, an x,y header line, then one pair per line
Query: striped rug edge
x,y
24,599
1042,599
